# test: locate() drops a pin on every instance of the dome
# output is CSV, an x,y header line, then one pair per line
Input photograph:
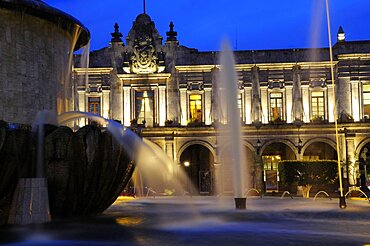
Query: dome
x,y
143,18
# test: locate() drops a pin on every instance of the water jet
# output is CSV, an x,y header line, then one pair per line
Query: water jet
x,y
230,132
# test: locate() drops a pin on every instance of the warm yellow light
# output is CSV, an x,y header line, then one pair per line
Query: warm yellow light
x,y
186,163
127,221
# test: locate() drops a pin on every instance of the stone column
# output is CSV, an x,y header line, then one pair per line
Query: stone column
x,y
330,104
248,105
306,103
289,103
106,104
171,47
126,105
258,173
343,93
350,158
218,178
169,149
116,106
162,105
82,106
183,99
356,103
257,110
207,106
265,106
116,100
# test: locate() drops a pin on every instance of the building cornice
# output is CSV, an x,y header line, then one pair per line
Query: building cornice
x,y
261,66
357,56
138,77
92,70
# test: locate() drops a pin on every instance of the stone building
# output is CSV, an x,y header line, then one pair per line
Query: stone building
x,y
285,103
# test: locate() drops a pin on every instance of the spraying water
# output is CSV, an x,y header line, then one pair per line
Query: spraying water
x,y
230,133
65,90
157,169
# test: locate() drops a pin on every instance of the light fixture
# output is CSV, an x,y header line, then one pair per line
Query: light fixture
x,y
299,146
258,146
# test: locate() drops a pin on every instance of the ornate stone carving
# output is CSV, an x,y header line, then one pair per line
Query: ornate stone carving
x,y
144,59
143,53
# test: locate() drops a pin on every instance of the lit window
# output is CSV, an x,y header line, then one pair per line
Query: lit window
x,y
144,104
366,101
94,105
271,162
317,105
195,103
276,106
271,172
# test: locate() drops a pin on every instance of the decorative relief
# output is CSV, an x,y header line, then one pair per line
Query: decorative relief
x,y
143,53
144,59
318,83
272,84
195,86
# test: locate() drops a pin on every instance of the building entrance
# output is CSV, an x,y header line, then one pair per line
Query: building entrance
x,y
196,161
271,172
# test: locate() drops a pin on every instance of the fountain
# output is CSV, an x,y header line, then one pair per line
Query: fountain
x,y
86,171
230,133
37,46
38,43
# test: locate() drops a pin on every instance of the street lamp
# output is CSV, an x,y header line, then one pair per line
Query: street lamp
x,y
258,146
300,144
342,198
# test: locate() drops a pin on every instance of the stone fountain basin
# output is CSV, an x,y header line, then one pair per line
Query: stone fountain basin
x,y
86,170
37,44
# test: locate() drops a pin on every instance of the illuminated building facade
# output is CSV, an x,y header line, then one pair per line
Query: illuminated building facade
x,y
285,101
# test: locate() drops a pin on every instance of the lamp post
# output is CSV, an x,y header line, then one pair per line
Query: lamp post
x,y
342,199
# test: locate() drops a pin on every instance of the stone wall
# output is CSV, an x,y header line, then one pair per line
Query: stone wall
x,y
34,66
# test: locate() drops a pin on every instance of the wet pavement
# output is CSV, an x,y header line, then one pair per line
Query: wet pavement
x,y
206,221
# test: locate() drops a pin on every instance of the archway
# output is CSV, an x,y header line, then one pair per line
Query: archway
x,y
364,168
319,151
197,162
272,155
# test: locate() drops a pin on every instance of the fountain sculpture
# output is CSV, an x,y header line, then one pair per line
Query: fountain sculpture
x,y
230,132
85,170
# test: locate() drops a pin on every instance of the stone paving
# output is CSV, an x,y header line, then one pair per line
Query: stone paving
x,y
206,221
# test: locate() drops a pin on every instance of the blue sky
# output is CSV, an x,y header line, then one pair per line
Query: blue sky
x,y
248,24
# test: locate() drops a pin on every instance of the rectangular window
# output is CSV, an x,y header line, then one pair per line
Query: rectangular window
x,y
276,106
144,107
195,110
317,105
366,100
271,162
94,105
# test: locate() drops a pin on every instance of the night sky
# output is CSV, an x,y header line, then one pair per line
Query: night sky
x,y
248,24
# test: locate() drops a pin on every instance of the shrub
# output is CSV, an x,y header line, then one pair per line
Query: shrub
x,y
305,173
